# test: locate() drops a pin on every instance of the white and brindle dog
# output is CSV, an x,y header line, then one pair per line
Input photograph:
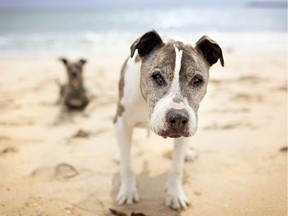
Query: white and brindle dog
x,y
163,85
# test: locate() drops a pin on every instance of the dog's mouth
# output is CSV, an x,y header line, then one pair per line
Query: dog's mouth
x,y
173,134
168,131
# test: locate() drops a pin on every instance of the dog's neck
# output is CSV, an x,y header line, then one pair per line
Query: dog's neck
x,y
76,85
77,89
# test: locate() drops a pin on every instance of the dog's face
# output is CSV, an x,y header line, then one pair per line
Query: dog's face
x,y
174,77
74,71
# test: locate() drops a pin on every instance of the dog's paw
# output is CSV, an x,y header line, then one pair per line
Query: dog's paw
x,y
128,193
190,155
175,198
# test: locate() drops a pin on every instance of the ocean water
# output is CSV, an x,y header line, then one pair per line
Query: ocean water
x,y
112,31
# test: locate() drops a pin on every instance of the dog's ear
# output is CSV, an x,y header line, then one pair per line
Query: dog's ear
x,y
64,60
82,61
146,43
210,50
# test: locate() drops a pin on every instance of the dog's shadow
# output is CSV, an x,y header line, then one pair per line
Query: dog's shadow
x,y
151,191
65,117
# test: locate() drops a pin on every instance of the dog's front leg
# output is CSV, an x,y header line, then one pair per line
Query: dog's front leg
x,y
127,192
175,196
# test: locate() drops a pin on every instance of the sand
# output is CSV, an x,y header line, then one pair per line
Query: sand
x,y
48,168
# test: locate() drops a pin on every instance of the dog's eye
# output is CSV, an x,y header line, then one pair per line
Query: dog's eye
x,y
158,79
197,81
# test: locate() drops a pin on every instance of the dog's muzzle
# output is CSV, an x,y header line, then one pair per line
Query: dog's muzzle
x,y
177,123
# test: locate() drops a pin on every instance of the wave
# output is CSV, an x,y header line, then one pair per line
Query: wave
x,y
113,31
114,42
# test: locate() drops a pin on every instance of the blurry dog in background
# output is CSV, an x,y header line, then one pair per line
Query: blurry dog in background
x,y
73,94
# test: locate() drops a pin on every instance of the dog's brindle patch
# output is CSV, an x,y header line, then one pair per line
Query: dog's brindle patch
x,y
120,107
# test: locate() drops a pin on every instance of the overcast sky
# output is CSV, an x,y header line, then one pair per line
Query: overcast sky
x,y
110,3
119,3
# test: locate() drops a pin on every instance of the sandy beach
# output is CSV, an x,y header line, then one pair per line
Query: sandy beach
x,y
50,167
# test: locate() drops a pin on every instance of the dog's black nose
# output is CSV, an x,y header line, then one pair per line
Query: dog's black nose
x,y
177,119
